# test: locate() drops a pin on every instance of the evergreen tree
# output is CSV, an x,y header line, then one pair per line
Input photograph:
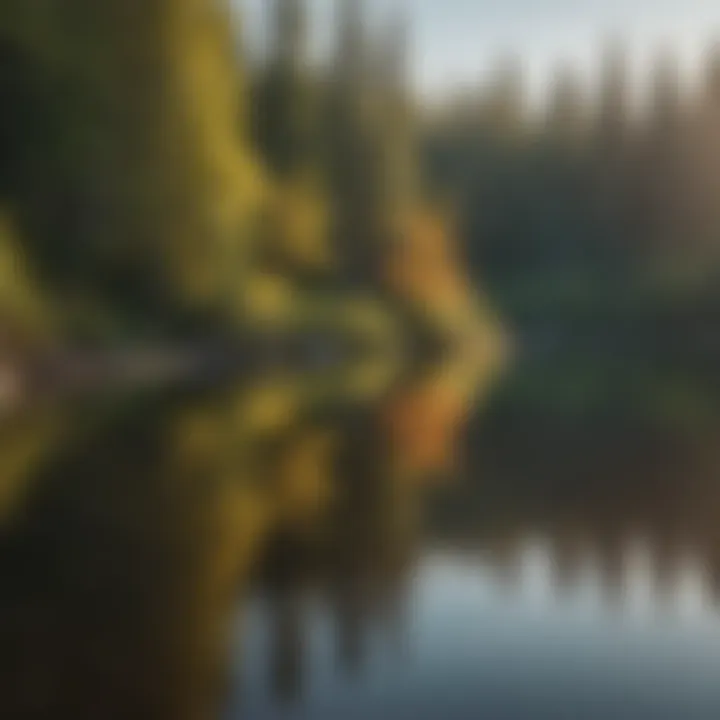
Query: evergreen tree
x,y
351,151
293,243
666,106
566,112
712,76
615,174
612,122
283,112
400,174
703,150
505,104
665,158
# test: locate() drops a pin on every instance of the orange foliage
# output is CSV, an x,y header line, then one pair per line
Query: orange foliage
x,y
424,266
422,426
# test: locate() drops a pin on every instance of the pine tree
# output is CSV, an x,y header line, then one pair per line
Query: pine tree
x,y
351,151
703,185
666,102
504,108
399,173
712,74
283,113
664,152
293,242
612,122
566,112
350,54
618,204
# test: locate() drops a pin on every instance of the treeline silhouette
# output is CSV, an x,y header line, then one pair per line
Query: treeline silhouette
x,y
597,210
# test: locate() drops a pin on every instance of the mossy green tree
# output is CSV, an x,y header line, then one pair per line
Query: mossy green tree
x,y
132,187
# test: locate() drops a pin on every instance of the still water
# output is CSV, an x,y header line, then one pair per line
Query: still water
x,y
449,548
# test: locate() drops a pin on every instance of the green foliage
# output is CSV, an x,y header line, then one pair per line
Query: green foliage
x,y
283,118
587,215
157,189
130,180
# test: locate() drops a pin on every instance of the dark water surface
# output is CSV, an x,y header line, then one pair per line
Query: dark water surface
x,y
446,550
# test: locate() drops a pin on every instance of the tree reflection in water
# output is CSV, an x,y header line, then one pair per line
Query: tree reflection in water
x,y
131,534
130,538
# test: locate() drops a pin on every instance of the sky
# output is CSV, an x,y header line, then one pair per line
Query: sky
x,y
456,42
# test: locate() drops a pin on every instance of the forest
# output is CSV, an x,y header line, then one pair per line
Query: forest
x,y
162,188
159,190
348,335
594,213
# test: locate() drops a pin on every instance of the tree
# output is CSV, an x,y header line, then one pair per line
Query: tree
x,y
566,119
283,113
140,192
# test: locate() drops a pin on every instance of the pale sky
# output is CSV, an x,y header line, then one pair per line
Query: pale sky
x,y
456,41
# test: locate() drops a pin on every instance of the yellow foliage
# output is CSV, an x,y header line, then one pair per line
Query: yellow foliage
x,y
297,227
24,446
228,185
269,408
149,134
268,298
21,302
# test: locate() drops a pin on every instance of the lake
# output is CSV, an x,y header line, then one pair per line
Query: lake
x,y
456,546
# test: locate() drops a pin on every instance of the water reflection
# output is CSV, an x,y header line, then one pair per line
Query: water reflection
x,y
283,546
358,556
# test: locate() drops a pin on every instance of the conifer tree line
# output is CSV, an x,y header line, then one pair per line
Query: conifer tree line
x,y
340,129
151,179
341,142
596,202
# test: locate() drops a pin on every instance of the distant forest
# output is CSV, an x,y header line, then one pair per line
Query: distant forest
x,y
595,212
